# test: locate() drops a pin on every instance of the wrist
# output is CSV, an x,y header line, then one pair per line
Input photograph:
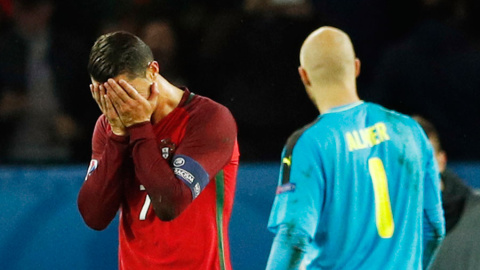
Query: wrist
x,y
136,123
119,132
118,138
141,131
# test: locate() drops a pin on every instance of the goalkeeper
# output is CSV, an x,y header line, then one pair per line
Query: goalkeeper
x,y
358,187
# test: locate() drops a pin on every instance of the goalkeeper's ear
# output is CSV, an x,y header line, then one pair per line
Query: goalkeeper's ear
x,y
304,76
357,67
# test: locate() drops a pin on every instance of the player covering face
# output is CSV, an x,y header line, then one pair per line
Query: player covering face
x,y
359,186
162,156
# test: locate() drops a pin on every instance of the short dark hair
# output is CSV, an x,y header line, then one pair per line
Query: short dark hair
x,y
118,53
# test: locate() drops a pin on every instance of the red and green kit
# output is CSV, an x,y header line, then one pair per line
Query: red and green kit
x,y
188,160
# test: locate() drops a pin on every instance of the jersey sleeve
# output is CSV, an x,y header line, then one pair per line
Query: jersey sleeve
x,y
299,195
206,148
433,218
288,249
102,191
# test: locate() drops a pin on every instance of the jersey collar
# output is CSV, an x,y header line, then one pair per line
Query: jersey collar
x,y
344,107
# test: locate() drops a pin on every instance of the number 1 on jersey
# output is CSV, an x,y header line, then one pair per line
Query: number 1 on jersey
x,y
383,208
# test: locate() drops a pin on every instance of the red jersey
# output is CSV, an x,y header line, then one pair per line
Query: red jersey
x,y
191,158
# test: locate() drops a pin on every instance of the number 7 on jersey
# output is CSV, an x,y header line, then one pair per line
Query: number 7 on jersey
x,y
146,205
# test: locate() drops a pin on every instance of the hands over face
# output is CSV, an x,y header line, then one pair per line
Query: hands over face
x,y
106,106
123,105
131,107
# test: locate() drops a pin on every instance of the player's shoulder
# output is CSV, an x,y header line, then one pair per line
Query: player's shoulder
x,y
300,133
102,123
199,106
402,123
392,115
102,126
101,130
203,102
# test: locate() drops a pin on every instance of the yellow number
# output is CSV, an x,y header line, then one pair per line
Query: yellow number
x,y
383,208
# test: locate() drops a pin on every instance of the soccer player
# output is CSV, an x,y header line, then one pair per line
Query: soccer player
x,y
163,156
358,187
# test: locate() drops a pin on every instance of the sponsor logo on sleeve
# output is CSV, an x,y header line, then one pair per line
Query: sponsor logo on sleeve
x,y
187,176
92,167
288,187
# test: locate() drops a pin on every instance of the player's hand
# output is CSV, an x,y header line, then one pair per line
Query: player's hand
x,y
106,106
95,90
131,107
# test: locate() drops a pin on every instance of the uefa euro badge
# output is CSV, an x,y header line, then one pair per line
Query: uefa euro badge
x,y
91,168
288,187
167,147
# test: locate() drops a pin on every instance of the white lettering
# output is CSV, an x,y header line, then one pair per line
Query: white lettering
x,y
184,174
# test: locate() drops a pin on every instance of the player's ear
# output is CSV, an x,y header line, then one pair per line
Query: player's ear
x,y
304,76
357,67
153,70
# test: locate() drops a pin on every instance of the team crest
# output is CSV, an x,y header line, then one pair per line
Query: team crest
x,y
167,148
165,152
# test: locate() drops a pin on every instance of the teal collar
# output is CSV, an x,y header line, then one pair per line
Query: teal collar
x,y
343,108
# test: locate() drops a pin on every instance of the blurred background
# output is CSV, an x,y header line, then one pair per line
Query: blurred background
x,y
418,57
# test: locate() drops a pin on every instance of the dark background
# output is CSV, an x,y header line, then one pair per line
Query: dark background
x,y
418,57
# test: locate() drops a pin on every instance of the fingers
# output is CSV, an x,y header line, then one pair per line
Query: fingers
x,y
102,104
102,90
114,88
129,89
113,117
110,110
97,92
94,91
101,94
123,90
91,91
109,106
153,93
122,101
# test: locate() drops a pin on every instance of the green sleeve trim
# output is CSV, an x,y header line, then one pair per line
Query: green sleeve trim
x,y
220,188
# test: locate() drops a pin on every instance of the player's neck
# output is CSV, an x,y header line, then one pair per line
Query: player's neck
x,y
331,98
168,99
